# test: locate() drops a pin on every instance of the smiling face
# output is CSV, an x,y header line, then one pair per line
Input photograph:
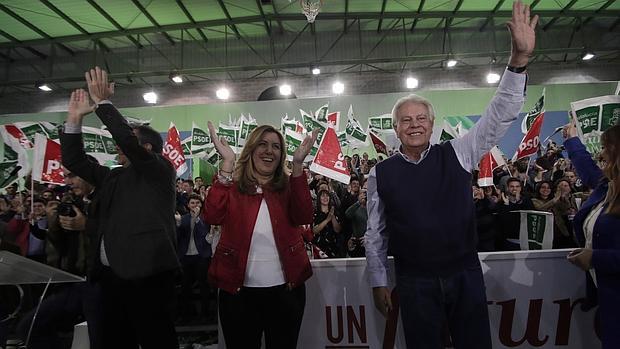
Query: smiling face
x,y
267,155
545,190
413,126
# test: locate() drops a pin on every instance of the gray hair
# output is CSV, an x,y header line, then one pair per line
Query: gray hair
x,y
415,99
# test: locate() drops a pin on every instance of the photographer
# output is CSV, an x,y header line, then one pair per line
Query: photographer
x,y
68,304
358,216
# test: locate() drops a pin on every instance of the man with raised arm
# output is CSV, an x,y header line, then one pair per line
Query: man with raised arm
x,y
420,210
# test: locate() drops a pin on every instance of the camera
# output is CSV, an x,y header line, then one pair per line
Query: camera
x,y
66,209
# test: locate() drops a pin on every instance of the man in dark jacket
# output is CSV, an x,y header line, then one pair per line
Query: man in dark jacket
x,y
136,257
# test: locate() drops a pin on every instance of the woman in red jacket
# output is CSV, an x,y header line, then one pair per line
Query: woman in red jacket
x,y
260,264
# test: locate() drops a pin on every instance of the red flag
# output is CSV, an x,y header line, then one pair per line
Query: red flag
x,y
173,151
329,160
380,146
46,165
489,162
16,133
531,141
333,119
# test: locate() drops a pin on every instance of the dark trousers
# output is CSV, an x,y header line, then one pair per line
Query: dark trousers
x,y
60,312
138,312
430,305
195,268
276,311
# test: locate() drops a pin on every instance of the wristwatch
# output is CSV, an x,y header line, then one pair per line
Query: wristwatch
x,y
517,70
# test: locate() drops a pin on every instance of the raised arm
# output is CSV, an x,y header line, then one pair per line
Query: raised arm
x,y
587,169
508,100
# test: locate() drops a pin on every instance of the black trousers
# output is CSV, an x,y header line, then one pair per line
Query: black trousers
x,y
195,268
138,312
276,311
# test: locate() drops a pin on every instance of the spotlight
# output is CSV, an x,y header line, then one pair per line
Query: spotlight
x,y
285,89
316,71
412,82
150,97
176,78
451,63
44,87
338,87
222,93
492,78
587,56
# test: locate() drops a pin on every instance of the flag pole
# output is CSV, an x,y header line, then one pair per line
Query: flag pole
x,y
31,197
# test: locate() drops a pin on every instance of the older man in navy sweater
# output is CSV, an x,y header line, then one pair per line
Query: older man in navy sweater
x,y
420,210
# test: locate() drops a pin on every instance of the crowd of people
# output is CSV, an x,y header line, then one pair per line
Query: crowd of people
x,y
145,242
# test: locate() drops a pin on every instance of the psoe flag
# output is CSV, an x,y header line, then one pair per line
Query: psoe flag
x,y
536,230
173,151
46,165
489,162
531,141
329,160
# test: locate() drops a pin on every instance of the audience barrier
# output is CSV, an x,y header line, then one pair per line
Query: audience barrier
x,y
534,300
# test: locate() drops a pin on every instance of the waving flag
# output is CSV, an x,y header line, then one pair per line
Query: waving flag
x,y
378,143
489,162
329,160
531,141
538,109
46,165
173,151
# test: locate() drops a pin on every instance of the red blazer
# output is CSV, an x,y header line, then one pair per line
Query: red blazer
x,y
237,212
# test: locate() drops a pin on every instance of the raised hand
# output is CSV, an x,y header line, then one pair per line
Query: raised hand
x,y
79,105
98,86
222,147
304,148
522,33
570,129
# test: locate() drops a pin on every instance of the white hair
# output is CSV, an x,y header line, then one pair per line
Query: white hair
x,y
415,99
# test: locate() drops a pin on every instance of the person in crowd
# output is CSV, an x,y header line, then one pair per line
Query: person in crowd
x,y
564,210
260,263
186,189
596,225
198,182
29,228
136,262
486,219
512,200
48,194
543,200
420,207
195,254
358,216
575,183
326,226
559,167
6,211
69,233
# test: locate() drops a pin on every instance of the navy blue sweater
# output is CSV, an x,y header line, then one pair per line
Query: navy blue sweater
x,y
430,213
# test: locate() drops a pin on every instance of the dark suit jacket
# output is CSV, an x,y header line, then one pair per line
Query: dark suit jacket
x,y
201,229
134,209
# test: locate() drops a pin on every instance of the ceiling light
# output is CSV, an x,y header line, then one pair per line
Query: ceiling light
x,y
338,87
492,78
451,63
412,82
44,87
316,71
176,78
285,89
222,93
587,56
150,97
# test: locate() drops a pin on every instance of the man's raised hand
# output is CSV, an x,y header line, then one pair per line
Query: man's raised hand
x,y
522,33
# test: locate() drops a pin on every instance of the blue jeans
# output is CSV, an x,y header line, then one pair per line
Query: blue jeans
x,y
431,305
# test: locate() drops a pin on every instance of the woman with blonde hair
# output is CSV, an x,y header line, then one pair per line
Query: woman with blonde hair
x,y
597,227
260,264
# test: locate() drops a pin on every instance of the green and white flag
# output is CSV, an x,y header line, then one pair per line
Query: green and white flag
x,y
356,135
310,124
293,141
246,126
595,116
381,122
186,144
321,113
447,132
213,157
536,230
100,144
230,133
201,142
8,173
537,109
342,139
